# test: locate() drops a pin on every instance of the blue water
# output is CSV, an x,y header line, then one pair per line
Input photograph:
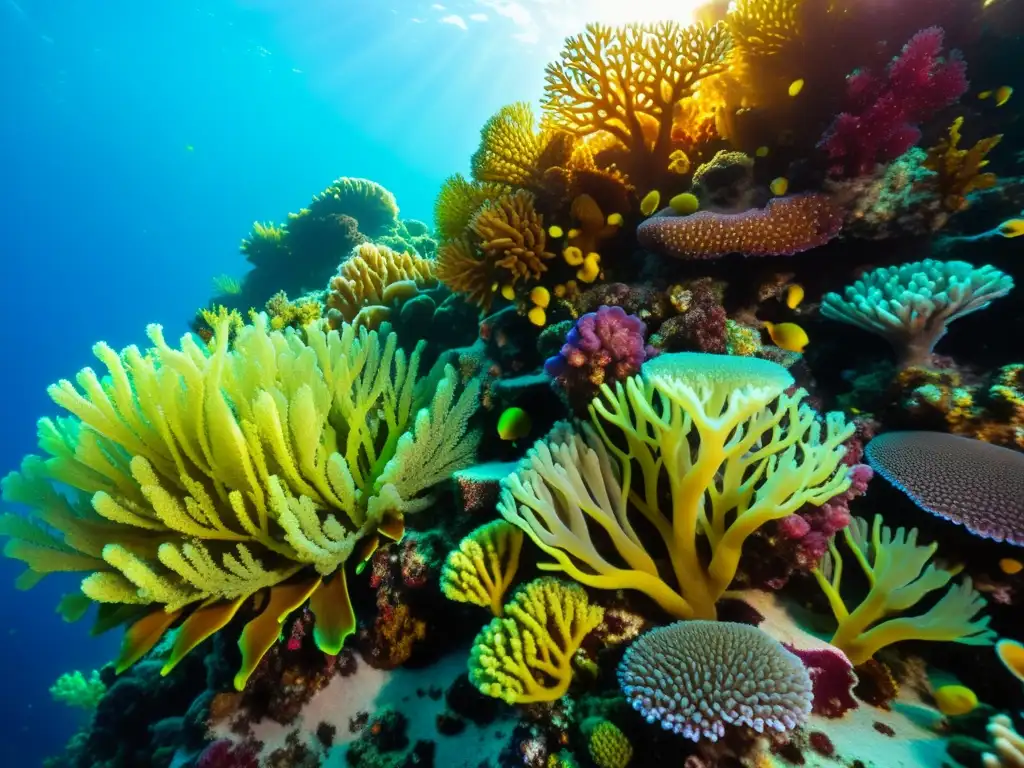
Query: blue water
x,y
138,143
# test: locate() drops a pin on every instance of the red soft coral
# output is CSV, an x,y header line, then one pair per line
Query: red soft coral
x,y
884,112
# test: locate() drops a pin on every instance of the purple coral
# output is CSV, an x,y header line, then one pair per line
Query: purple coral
x,y
603,347
884,113
969,482
225,753
698,677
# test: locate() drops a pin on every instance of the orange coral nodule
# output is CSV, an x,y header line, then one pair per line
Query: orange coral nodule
x,y
787,225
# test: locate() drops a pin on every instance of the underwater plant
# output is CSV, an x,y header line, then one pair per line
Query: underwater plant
x,y
237,478
758,454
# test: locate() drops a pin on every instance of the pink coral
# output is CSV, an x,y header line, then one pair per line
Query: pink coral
x,y
832,678
603,347
787,225
225,753
882,121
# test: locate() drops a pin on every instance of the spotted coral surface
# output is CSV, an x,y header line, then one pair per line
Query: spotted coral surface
x,y
701,678
787,225
968,482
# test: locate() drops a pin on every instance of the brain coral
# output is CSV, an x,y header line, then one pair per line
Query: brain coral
x,y
787,225
697,677
972,483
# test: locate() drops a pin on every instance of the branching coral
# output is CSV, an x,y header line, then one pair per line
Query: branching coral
x,y
884,112
698,678
785,226
895,566
527,656
764,27
483,566
200,477
911,305
625,81
959,170
373,278
733,449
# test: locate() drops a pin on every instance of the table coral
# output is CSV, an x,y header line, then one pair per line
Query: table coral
x,y
885,111
689,422
912,304
201,478
625,80
895,566
787,225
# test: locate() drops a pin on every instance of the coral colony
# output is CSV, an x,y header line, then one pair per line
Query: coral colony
x,y
659,446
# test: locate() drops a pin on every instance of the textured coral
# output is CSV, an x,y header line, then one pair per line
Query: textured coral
x,y
510,148
483,566
265,245
457,202
460,269
833,679
608,746
284,313
910,305
884,112
785,226
373,278
700,678
764,27
371,205
701,326
625,81
959,170
969,482
605,346
527,656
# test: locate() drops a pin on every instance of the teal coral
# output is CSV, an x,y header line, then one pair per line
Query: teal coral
x,y
77,690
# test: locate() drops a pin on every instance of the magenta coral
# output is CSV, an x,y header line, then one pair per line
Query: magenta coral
x,y
832,678
787,225
603,347
884,112
225,753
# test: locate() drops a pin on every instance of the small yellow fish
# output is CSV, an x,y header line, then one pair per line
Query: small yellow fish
x,y
650,202
796,86
514,423
788,336
1011,653
984,94
684,203
189,148
794,295
1011,228
1010,567
762,151
779,186
1003,94
955,700
555,231
856,411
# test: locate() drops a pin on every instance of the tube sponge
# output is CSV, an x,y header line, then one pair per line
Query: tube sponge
x,y
899,575
483,566
911,305
527,656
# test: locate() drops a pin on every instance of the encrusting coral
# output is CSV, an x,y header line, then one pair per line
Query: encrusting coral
x,y
898,577
760,454
912,304
483,566
527,656
371,280
200,478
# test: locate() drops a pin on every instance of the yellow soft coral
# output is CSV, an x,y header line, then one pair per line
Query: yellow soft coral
x,y
608,746
296,314
459,267
719,434
200,477
764,27
484,565
625,81
527,656
77,690
458,201
510,147
371,280
265,245
895,566
959,170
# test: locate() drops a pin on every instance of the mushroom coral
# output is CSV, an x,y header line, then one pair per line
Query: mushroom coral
x,y
721,433
195,483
